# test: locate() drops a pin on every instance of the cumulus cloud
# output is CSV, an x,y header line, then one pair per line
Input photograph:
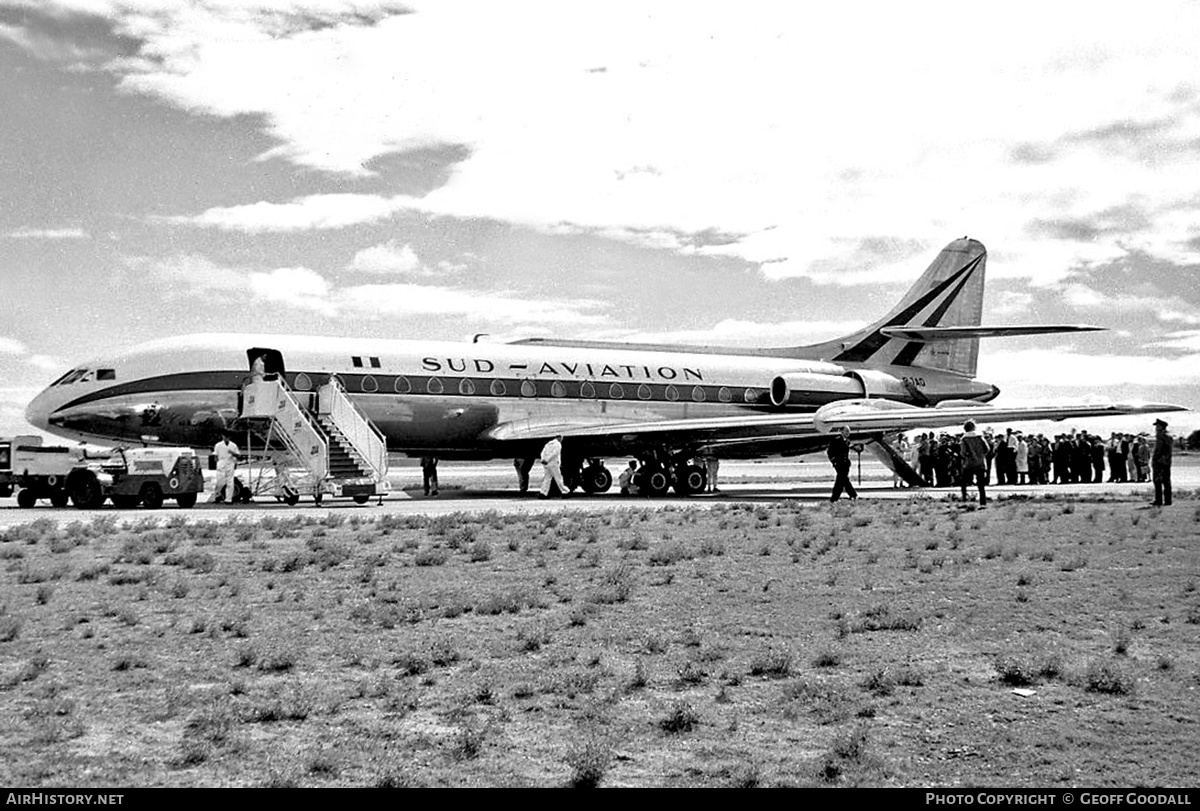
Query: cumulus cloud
x,y
656,128
736,332
389,257
1171,309
1061,368
11,346
304,289
47,233
313,212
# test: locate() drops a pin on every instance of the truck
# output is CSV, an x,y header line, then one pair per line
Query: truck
x,y
129,477
35,471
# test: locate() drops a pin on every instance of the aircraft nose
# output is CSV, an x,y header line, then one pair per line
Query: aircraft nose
x,y
37,413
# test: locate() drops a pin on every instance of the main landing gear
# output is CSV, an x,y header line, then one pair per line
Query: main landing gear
x,y
655,479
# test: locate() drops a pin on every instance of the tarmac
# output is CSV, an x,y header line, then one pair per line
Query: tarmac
x,y
479,488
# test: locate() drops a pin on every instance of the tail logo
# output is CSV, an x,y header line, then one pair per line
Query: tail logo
x,y
876,340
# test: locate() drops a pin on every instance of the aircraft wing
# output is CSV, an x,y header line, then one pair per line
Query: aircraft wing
x,y
870,416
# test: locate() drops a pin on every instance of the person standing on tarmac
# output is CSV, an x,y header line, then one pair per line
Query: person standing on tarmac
x,y
1160,465
839,457
429,474
552,468
227,454
974,450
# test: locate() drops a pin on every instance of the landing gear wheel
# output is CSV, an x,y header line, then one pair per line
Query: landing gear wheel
x,y
60,497
151,496
362,499
689,479
86,493
596,479
26,498
653,480
186,500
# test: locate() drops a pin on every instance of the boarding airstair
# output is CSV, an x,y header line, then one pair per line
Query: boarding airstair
x,y
339,449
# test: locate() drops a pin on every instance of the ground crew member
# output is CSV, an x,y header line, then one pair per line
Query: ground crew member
x,y
839,456
429,474
711,466
552,467
1160,465
626,480
227,456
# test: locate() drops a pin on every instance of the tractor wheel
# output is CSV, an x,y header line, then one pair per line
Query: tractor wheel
x,y
186,500
362,498
60,497
152,496
125,502
86,492
26,498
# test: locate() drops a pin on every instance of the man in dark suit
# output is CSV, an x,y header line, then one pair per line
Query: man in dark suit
x,y
1160,464
839,457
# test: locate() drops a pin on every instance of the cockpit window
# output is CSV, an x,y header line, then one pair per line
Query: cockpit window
x,y
63,379
106,374
72,377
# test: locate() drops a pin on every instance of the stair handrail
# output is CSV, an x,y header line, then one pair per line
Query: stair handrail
x,y
273,399
360,433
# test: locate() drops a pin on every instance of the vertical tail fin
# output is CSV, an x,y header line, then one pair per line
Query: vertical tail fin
x,y
949,293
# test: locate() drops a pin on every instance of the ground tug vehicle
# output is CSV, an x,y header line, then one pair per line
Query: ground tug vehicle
x,y
129,477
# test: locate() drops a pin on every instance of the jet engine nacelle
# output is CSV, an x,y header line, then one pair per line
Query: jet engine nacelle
x,y
820,383
873,383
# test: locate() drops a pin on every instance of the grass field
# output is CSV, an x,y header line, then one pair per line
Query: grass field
x,y
755,645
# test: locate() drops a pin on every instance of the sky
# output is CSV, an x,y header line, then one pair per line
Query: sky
x,y
752,174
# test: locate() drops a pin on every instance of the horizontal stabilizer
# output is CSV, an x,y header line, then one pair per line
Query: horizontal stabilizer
x,y
928,335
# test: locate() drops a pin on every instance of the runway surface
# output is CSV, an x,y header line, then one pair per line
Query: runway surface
x,y
477,488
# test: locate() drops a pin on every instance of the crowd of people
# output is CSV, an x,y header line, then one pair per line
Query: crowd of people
x,y
1013,457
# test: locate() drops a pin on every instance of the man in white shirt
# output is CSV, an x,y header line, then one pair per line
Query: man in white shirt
x,y
227,455
552,467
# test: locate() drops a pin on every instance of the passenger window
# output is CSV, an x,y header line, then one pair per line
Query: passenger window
x,y
528,389
434,386
466,387
402,385
498,388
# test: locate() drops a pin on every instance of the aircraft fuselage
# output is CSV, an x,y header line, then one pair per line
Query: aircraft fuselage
x,y
450,398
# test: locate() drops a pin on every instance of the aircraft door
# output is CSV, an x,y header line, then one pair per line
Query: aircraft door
x,y
272,361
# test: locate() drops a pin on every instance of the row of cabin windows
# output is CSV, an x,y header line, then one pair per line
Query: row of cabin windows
x,y
529,388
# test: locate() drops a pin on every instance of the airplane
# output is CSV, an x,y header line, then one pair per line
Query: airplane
x,y
664,405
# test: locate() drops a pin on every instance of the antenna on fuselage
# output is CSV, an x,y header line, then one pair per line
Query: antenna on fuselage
x,y
479,335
